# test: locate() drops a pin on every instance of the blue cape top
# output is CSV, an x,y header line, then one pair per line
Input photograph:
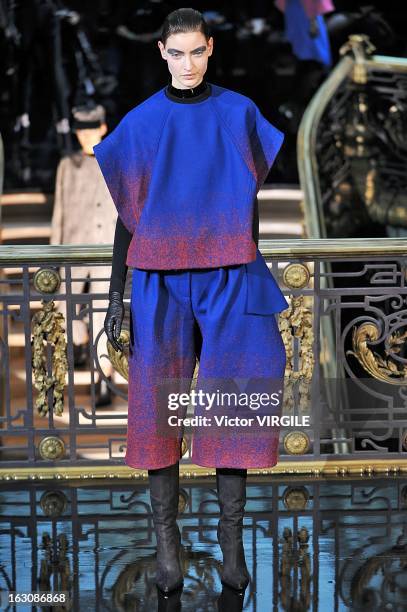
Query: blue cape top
x,y
184,178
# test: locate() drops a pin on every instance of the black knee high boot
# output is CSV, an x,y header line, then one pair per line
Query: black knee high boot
x,y
164,493
231,485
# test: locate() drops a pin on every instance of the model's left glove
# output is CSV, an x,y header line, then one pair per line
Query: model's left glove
x,y
114,319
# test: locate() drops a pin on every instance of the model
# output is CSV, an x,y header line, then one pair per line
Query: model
x,y
80,191
184,168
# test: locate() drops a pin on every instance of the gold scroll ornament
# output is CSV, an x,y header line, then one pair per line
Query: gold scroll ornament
x,y
296,322
48,326
381,368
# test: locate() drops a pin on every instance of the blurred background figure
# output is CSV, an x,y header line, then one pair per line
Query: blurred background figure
x,y
309,62
84,214
306,31
305,28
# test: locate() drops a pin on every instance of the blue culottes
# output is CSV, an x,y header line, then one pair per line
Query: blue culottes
x,y
227,318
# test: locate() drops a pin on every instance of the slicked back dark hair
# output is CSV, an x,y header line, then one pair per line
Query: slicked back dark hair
x,y
184,20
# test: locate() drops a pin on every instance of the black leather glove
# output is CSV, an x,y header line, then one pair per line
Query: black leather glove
x,y
114,319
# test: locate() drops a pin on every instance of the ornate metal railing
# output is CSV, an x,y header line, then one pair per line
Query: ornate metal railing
x,y
352,157
352,147
310,545
49,424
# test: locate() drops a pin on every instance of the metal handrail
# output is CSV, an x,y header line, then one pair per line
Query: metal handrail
x,y
298,248
307,133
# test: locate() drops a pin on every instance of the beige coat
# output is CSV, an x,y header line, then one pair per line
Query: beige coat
x,y
84,213
83,208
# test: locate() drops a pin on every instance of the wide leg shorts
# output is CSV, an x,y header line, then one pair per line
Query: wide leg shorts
x,y
227,318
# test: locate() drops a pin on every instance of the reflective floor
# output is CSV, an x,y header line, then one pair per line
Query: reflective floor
x,y
310,545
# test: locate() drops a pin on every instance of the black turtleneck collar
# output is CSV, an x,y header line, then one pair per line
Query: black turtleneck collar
x,y
188,96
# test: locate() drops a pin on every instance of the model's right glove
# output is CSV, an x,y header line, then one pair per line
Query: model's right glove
x,y
114,319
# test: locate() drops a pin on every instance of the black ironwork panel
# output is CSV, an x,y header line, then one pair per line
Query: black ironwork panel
x,y
83,432
310,545
344,333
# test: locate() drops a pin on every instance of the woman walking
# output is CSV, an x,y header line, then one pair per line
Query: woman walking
x,y
184,168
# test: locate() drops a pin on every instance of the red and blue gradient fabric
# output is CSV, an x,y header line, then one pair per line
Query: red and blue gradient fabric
x,y
184,178
178,315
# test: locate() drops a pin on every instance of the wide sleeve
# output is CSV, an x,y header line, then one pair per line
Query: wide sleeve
x,y
120,168
265,143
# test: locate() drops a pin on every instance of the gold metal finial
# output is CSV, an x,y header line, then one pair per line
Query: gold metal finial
x,y
361,47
